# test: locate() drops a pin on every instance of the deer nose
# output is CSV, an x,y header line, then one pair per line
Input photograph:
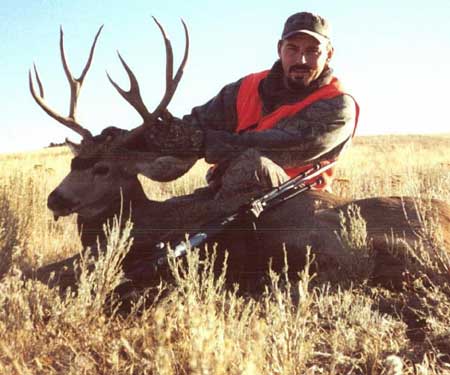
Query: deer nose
x,y
56,201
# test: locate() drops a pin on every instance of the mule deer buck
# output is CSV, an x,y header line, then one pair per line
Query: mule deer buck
x,y
104,176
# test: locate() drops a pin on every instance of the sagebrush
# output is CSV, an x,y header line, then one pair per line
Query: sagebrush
x,y
197,325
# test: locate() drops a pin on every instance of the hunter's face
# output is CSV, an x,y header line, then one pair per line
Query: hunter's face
x,y
303,59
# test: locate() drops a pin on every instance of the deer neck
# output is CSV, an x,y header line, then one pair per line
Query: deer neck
x,y
132,203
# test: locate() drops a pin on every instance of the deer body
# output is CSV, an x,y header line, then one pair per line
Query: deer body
x,y
311,219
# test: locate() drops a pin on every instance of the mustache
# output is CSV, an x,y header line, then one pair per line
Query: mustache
x,y
299,67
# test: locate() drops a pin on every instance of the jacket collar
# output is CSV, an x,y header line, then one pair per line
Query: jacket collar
x,y
274,92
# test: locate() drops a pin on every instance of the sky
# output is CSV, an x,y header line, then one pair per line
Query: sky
x,y
390,55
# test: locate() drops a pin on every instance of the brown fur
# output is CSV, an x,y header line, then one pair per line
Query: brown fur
x,y
311,219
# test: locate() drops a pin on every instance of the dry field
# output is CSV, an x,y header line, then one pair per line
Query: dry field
x,y
196,326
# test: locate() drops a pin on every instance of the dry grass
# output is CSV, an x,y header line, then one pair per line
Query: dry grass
x,y
196,325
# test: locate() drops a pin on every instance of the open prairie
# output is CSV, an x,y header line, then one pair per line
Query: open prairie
x,y
317,324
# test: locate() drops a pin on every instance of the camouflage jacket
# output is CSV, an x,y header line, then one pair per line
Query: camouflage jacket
x,y
321,130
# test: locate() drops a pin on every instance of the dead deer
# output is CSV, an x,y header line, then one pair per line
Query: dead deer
x,y
103,178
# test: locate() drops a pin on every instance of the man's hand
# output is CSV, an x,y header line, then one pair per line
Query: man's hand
x,y
174,137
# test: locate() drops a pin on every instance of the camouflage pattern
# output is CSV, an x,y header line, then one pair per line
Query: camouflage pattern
x,y
175,137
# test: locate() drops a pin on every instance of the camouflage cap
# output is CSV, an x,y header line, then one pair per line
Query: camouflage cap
x,y
307,23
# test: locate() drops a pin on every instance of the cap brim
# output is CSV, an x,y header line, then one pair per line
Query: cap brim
x,y
319,37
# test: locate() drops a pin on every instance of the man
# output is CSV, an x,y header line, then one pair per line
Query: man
x,y
277,122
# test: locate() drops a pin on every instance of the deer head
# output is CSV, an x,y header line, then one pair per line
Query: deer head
x,y
108,164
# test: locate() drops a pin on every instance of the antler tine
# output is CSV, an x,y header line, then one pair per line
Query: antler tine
x,y
41,88
169,55
133,95
67,121
185,56
91,55
76,83
171,82
75,86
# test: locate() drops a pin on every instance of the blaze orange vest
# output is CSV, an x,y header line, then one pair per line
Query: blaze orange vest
x,y
249,113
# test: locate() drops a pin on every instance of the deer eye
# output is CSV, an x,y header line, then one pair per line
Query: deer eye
x,y
100,170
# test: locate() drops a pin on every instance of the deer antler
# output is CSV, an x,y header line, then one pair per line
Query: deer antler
x,y
75,85
171,83
133,96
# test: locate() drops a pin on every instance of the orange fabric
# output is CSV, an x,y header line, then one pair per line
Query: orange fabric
x,y
249,111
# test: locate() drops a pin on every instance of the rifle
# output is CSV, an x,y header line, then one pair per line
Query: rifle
x,y
289,189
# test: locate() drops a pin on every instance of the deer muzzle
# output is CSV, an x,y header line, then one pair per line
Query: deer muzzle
x,y
60,205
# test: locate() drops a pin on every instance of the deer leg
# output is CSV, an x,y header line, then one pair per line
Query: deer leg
x,y
64,273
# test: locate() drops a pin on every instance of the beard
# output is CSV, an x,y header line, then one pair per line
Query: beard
x,y
301,81
297,83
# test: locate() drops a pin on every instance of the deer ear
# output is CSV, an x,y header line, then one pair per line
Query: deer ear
x,y
74,147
